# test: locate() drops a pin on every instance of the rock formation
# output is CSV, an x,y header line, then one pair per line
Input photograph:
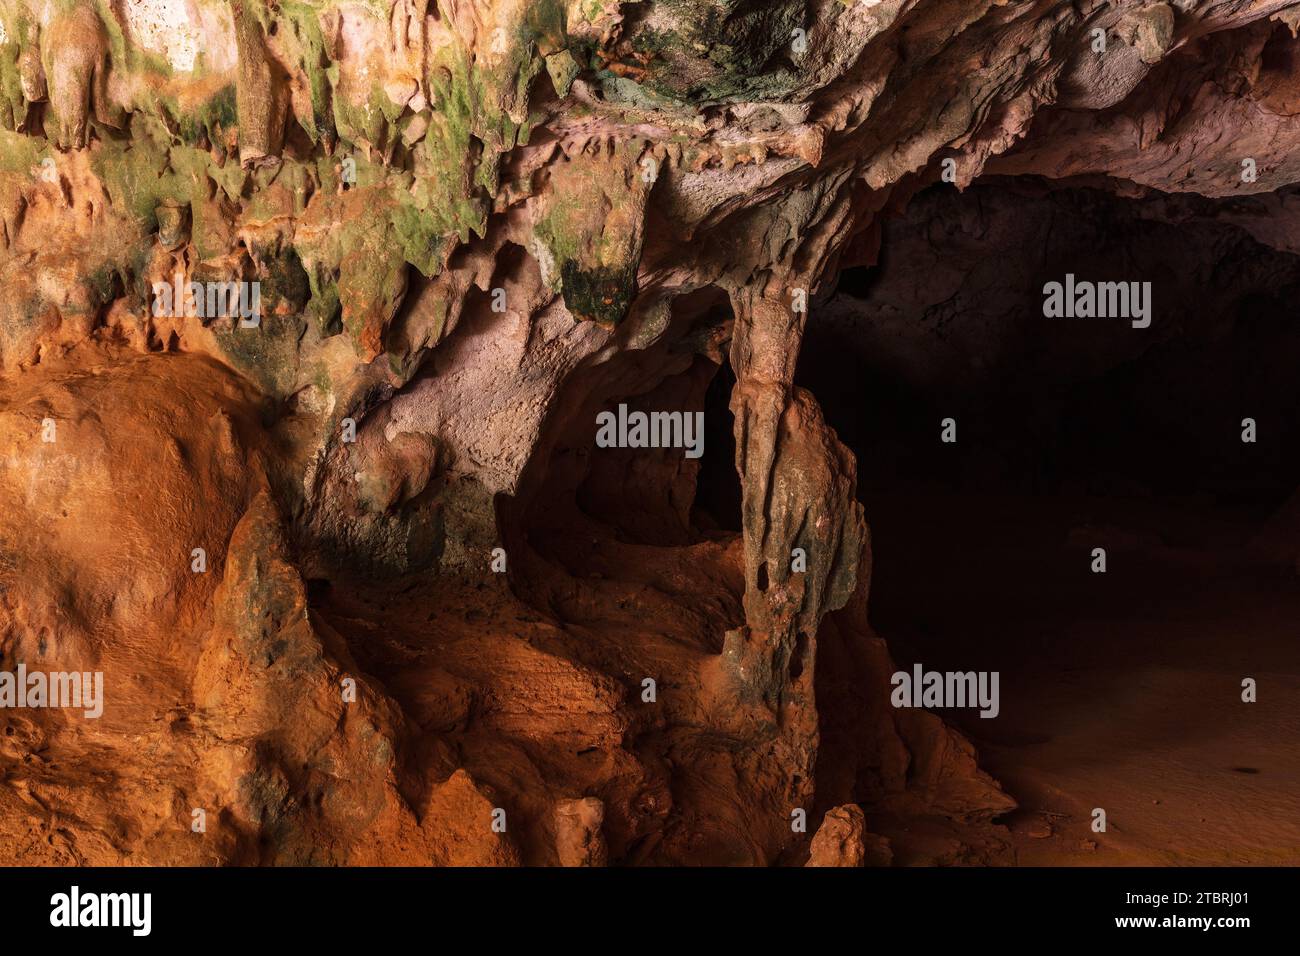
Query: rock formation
x,y
308,308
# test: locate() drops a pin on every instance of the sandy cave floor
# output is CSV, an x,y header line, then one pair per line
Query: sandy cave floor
x,y
1119,691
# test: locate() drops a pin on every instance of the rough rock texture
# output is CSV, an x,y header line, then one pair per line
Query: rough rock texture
x,y
843,840
578,837
474,225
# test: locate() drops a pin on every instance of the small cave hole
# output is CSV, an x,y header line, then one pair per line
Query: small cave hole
x,y
798,655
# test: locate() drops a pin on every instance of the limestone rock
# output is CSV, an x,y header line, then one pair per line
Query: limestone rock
x,y
843,840
578,840
472,226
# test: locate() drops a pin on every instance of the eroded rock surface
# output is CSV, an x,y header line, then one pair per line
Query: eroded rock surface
x,y
430,605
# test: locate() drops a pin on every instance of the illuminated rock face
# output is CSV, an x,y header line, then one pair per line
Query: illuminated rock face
x,y
435,622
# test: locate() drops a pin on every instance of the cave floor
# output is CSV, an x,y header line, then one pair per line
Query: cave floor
x,y
1119,690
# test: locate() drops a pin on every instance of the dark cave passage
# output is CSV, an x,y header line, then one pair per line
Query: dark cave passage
x,y
681,485
639,539
717,488
1121,689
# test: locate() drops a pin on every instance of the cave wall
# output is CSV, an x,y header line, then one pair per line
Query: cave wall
x,y
473,225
